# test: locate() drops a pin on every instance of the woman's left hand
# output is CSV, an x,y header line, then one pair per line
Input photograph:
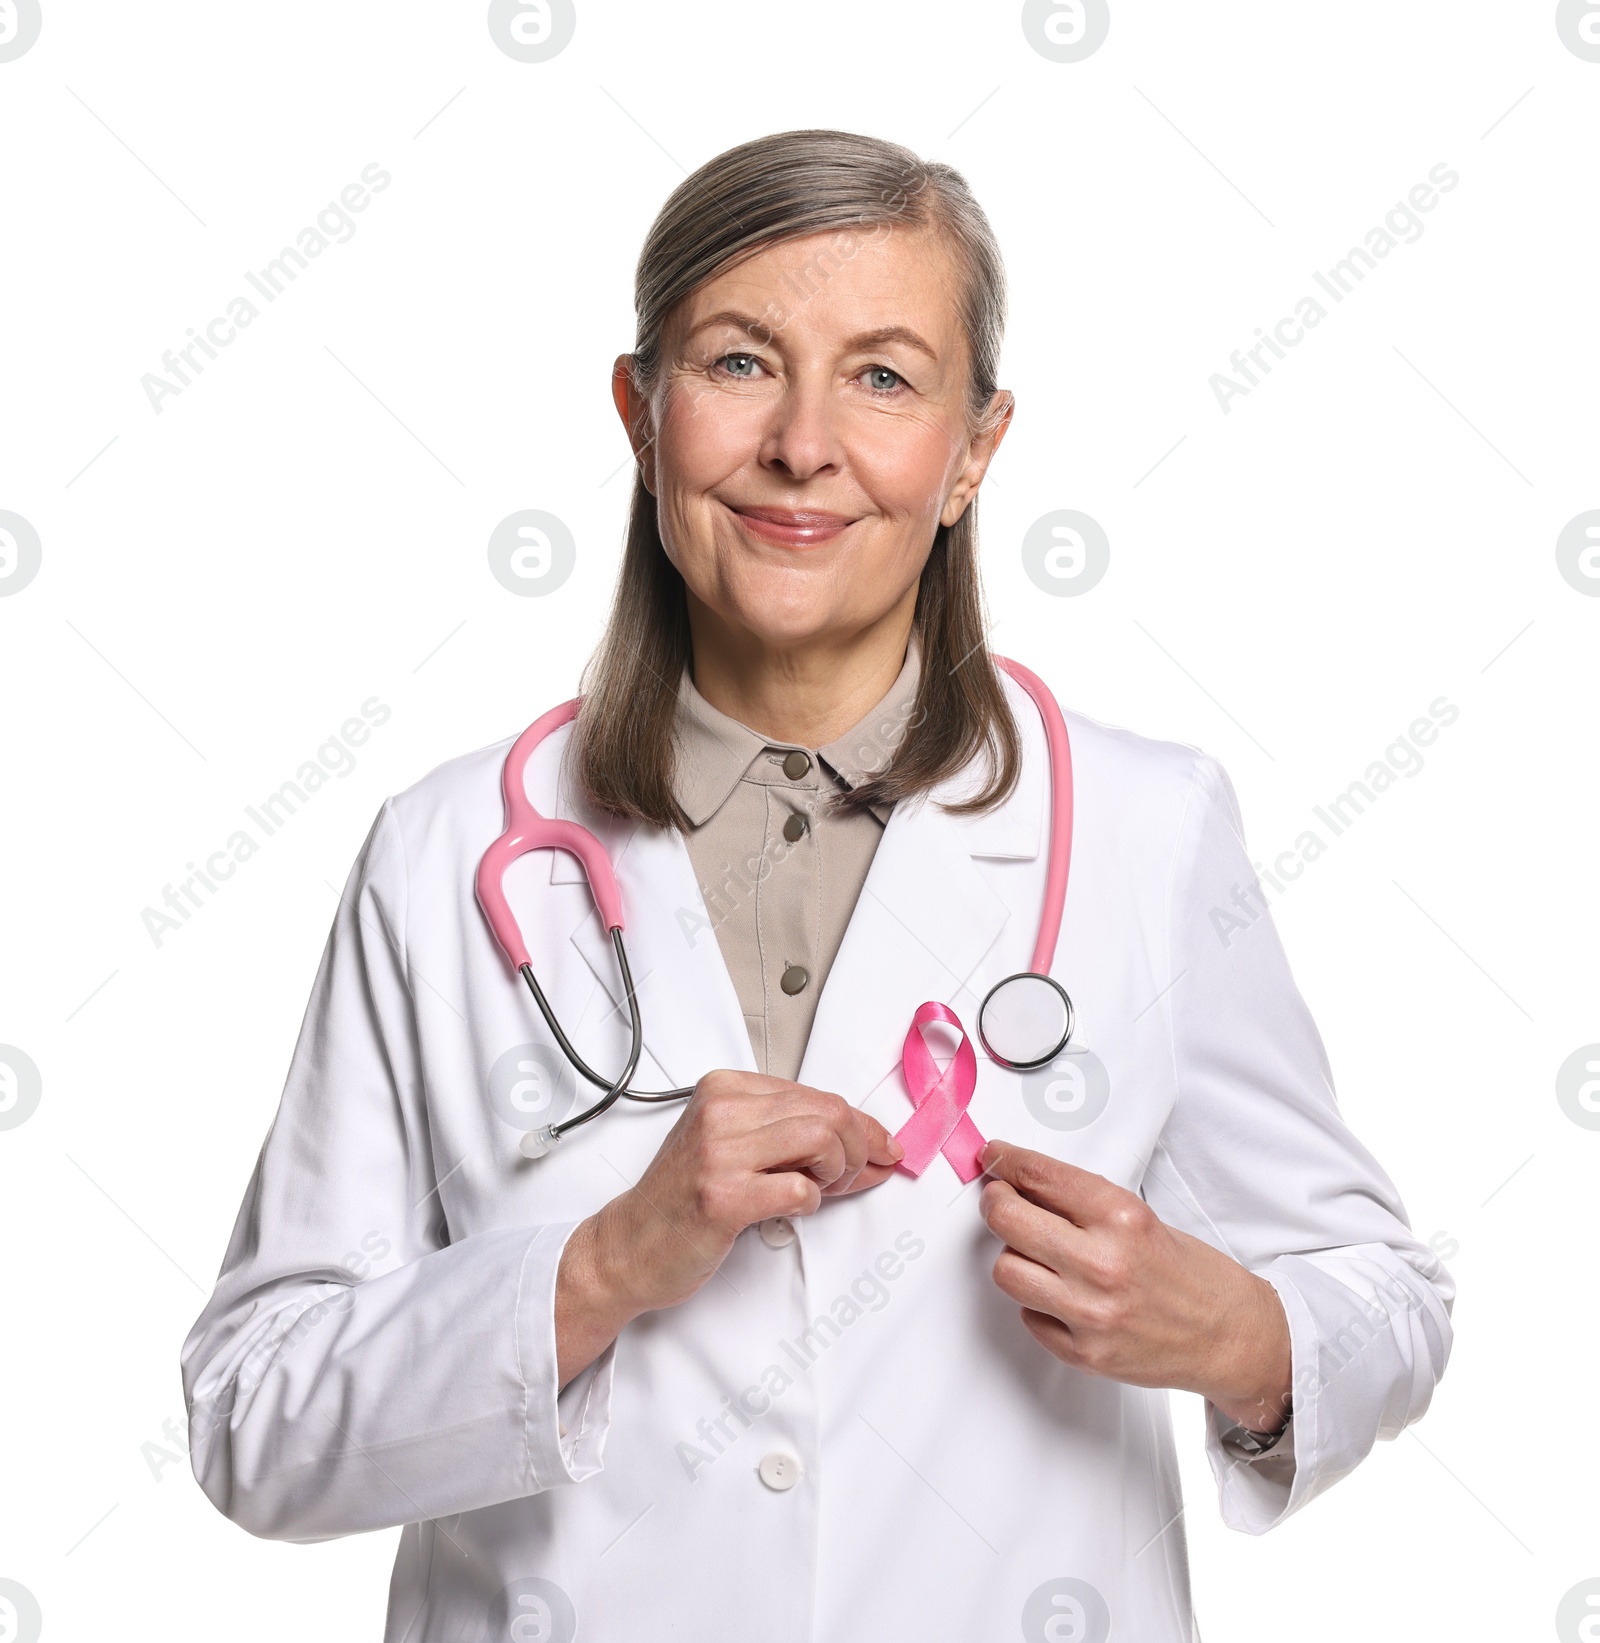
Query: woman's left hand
x,y
1108,1287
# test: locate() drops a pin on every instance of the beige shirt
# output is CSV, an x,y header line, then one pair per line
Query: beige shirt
x,y
780,868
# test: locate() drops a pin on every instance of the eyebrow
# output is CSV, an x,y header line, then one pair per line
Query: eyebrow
x,y
755,327
730,317
891,333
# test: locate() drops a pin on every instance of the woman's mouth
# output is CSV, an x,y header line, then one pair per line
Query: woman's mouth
x,y
793,527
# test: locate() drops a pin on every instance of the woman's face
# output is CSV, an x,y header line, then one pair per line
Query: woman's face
x,y
810,433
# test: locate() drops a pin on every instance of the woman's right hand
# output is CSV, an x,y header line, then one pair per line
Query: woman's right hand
x,y
746,1147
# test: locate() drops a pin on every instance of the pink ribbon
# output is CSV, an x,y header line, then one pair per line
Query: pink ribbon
x,y
940,1122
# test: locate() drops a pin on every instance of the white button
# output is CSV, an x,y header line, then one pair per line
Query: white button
x,y
778,1231
779,1471
563,1428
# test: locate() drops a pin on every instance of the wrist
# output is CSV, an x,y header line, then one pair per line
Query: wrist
x,y
1265,1417
589,1312
1256,1392
610,1270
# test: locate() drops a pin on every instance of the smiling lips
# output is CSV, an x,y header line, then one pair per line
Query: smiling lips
x,y
793,527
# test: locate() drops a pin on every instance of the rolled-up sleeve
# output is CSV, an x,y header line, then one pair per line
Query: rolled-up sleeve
x,y
1256,1159
353,1369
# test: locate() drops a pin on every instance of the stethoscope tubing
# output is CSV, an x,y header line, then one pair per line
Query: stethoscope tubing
x,y
526,829
614,1088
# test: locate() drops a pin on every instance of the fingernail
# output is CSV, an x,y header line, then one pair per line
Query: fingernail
x,y
896,1151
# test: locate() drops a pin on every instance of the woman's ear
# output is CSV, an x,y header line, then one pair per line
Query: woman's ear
x,y
985,442
634,410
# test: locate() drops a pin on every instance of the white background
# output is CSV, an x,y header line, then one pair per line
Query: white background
x,y
304,527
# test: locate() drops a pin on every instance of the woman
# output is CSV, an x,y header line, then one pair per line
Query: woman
x,y
728,1369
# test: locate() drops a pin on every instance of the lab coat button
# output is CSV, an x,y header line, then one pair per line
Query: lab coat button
x,y
777,1231
779,1471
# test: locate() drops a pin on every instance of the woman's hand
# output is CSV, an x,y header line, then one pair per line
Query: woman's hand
x,y
746,1147
1110,1288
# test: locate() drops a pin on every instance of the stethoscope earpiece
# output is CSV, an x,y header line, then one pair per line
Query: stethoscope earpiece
x,y
536,1143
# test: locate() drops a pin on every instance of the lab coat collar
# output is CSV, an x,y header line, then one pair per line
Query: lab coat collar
x,y
1018,829
690,1011
927,920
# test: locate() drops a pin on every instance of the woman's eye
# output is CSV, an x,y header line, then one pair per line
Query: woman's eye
x,y
881,379
740,365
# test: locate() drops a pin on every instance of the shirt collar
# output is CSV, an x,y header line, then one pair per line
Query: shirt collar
x,y
715,751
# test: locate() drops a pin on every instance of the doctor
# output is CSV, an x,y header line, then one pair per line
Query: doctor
x,y
723,1369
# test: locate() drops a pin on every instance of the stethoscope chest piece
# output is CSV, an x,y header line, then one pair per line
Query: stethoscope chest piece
x,y
1025,1021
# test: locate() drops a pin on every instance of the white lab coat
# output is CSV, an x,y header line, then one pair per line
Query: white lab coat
x,y
380,1346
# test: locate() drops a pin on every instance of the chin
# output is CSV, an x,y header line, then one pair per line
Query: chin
x,y
782,605
781,626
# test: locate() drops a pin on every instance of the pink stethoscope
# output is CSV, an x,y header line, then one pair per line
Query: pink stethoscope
x,y
1024,1021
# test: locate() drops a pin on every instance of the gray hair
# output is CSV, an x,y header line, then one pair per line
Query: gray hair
x,y
777,188
808,182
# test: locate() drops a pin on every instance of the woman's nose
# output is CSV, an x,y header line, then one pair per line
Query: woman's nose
x,y
801,440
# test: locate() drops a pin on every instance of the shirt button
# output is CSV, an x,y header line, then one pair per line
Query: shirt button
x,y
794,980
795,828
796,764
777,1230
779,1471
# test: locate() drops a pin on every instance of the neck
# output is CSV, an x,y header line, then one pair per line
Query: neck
x,y
811,692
